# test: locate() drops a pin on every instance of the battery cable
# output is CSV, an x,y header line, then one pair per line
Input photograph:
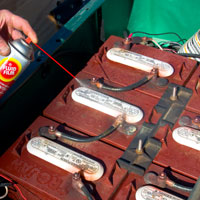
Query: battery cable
x,y
53,133
100,85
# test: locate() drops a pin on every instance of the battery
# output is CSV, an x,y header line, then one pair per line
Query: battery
x,y
133,182
159,106
100,66
65,110
39,179
179,157
194,84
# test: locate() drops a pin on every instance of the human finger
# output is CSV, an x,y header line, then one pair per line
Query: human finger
x,y
17,35
4,48
23,25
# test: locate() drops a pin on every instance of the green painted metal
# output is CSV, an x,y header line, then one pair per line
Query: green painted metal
x,y
83,14
115,14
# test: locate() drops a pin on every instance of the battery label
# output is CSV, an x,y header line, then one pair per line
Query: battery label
x,y
64,157
139,61
187,136
107,104
152,193
9,69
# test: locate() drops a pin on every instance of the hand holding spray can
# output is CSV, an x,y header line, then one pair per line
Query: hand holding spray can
x,y
11,66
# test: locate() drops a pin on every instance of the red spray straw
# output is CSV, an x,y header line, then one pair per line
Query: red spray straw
x,y
28,41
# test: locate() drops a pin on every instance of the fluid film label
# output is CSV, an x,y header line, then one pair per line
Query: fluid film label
x,y
9,69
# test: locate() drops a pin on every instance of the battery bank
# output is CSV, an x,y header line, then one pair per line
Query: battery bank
x,y
92,122
39,179
180,158
100,66
162,109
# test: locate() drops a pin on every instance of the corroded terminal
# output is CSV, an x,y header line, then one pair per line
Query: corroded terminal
x,y
119,120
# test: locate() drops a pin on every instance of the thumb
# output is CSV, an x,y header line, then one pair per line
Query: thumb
x,y
4,48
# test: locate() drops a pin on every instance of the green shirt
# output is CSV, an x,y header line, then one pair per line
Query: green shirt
x,y
161,16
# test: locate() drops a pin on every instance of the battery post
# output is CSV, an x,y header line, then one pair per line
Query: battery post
x,y
163,181
78,185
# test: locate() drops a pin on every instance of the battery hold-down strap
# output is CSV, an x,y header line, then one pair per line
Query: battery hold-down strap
x,y
144,147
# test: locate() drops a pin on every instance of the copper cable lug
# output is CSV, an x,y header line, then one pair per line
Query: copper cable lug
x,y
99,85
53,131
127,43
119,120
196,121
58,134
96,82
154,72
164,181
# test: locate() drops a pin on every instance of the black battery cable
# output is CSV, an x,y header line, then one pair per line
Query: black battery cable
x,y
163,181
101,85
53,133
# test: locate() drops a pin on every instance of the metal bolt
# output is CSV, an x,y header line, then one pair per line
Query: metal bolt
x,y
93,80
139,149
154,74
197,119
154,71
76,176
174,94
130,129
162,175
51,129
